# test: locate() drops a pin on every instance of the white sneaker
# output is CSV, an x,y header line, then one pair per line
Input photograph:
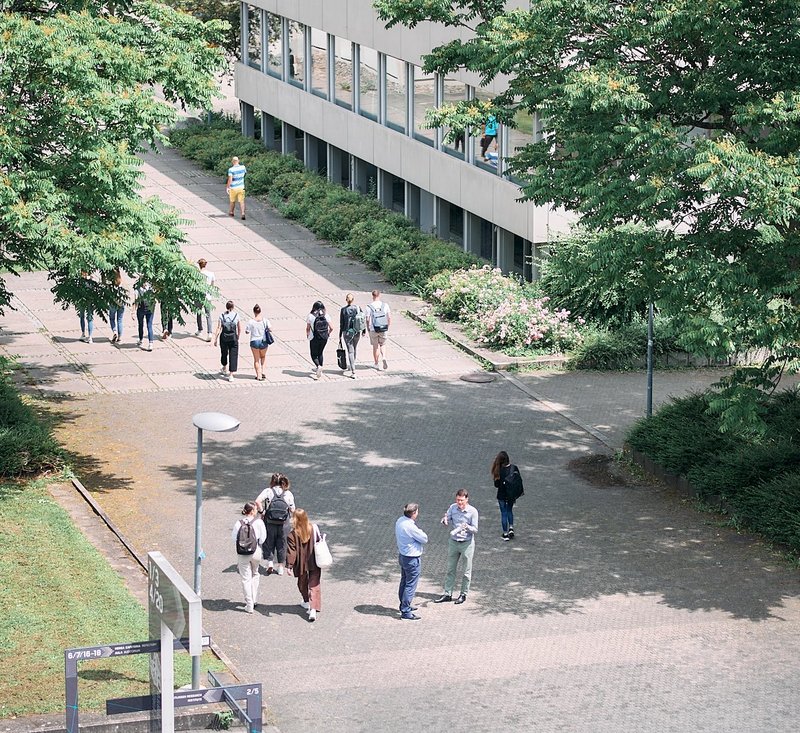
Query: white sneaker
x,y
83,337
304,604
319,372
230,377
224,370
248,609
149,345
208,338
270,566
89,340
280,571
312,614
352,375
197,333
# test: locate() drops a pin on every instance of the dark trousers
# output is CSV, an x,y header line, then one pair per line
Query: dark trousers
x,y
317,346
409,577
229,353
144,314
275,542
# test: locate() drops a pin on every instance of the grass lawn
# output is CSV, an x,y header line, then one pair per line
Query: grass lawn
x,y
58,592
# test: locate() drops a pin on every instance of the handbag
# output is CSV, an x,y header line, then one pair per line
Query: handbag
x,y
341,357
269,339
322,553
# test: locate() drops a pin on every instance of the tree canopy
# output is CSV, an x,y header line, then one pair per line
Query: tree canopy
x,y
78,102
672,128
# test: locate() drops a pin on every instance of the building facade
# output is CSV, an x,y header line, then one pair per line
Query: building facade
x,y
348,97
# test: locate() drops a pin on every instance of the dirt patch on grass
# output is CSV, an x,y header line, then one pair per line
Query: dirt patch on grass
x,y
600,470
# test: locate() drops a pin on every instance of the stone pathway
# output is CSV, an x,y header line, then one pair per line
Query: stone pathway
x,y
266,260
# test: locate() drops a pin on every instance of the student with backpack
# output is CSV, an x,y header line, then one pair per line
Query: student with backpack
x,y
508,482
248,535
352,325
229,328
379,318
277,504
318,329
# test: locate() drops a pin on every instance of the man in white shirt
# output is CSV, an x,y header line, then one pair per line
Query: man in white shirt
x,y
379,318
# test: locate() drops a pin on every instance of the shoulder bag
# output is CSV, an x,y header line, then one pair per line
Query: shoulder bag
x,y
322,553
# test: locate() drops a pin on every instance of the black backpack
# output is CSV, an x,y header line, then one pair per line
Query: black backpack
x,y
278,510
246,540
229,335
321,329
513,483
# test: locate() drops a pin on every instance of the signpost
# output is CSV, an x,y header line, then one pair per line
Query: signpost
x,y
173,608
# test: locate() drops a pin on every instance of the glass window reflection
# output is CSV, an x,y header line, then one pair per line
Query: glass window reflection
x,y
275,40
396,94
344,73
368,82
319,63
297,54
423,101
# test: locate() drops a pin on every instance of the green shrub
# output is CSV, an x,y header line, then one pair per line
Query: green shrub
x,y
772,508
26,445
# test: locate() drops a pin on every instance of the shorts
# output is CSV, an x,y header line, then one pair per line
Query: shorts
x,y
377,338
236,195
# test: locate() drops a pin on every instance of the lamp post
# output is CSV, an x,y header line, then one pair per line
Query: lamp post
x,y
650,360
215,422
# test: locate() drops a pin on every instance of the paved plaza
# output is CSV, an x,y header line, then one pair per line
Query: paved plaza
x,y
617,608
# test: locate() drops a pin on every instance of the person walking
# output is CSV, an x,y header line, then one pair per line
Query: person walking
x,y
352,324
318,329
235,186
463,519
259,329
410,541
229,328
302,563
277,504
489,135
206,309
86,315
379,318
116,308
248,535
145,306
508,482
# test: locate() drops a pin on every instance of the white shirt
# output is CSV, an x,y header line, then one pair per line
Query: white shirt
x,y
256,328
310,318
270,492
258,526
209,276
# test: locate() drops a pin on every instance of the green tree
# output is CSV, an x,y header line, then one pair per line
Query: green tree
x,y
205,10
78,84
672,127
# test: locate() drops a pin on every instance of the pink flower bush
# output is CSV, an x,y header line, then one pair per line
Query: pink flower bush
x,y
496,310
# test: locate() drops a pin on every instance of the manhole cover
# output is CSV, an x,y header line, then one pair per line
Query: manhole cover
x,y
478,377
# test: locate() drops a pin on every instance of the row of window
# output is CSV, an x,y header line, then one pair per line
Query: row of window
x,y
375,85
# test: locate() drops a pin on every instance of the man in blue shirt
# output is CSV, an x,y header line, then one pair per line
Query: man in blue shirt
x,y
463,519
235,186
410,540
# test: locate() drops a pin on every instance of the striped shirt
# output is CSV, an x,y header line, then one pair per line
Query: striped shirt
x,y
236,174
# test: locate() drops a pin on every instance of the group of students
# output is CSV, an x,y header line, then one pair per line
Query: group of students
x,y
354,322
274,529
144,300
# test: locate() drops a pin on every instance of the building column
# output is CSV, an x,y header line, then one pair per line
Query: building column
x,y
311,152
504,250
412,205
248,123
385,188
472,233
427,212
268,130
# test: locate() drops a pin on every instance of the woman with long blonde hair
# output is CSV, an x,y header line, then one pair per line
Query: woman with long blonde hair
x,y
302,563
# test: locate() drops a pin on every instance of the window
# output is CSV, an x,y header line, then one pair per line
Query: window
x,y
368,82
343,85
423,101
486,250
254,37
454,91
275,40
319,63
296,72
522,134
396,94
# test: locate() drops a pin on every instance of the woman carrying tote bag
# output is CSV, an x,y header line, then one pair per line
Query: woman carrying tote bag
x,y
302,563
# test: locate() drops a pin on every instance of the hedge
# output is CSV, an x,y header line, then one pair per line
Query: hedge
x,y
358,225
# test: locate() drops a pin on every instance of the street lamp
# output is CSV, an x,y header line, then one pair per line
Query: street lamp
x,y
215,422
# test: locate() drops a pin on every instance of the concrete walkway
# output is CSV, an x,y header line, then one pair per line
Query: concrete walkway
x,y
616,609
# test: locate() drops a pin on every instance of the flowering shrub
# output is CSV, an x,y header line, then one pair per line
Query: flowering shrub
x,y
499,312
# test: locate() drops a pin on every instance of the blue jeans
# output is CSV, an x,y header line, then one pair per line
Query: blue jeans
x,y
87,319
115,314
144,313
506,514
409,577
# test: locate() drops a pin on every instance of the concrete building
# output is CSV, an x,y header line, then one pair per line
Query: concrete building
x,y
348,97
